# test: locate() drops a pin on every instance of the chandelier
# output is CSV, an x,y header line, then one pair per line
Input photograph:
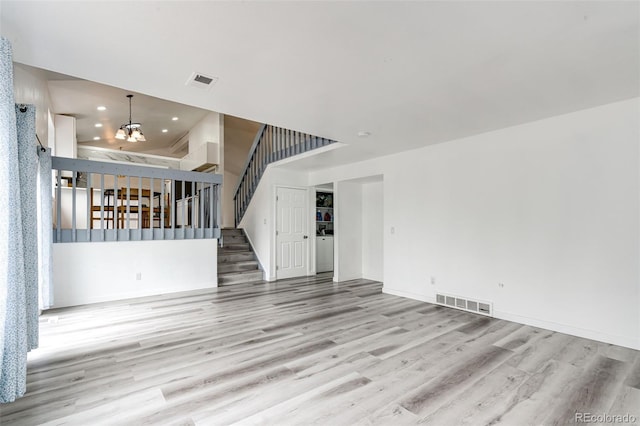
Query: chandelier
x,y
131,131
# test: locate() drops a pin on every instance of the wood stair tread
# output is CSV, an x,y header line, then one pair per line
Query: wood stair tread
x,y
239,273
237,262
223,252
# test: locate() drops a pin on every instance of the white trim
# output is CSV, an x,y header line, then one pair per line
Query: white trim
x,y
547,325
348,278
409,295
255,253
273,255
568,329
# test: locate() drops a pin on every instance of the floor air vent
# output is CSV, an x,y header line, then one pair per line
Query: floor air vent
x,y
457,302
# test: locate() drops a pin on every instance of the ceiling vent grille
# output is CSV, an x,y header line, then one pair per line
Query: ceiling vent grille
x,y
465,304
201,81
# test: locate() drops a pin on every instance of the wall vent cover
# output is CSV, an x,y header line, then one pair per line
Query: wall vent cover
x,y
465,304
202,81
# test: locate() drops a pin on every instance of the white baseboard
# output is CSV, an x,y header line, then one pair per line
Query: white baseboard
x,y
568,329
347,278
534,322
408,295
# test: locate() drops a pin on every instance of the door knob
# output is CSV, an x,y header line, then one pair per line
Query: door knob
x,y
306,236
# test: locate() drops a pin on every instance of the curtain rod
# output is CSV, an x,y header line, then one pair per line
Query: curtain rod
x,y
42,148
23,109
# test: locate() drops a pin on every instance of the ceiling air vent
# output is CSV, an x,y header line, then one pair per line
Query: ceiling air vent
x,y
202,81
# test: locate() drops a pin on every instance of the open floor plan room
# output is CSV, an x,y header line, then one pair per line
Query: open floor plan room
x,y
309,351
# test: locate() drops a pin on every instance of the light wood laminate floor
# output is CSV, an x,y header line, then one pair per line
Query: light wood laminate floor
x,y
308,351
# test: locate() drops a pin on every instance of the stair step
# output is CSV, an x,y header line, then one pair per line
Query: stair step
x,y
232,231
236,261
239,277
238,266
234,239
237,247
234,256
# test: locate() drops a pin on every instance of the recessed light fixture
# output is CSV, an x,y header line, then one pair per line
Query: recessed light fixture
x,y
363,134
98,124
96,138
164,130
174,119
102,108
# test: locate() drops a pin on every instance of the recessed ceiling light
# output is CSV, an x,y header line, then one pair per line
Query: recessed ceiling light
x,y
174,119
363,134
164,130
102,108
96,138
98,124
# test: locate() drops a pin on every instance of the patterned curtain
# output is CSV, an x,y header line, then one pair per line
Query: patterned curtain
x,y
18,230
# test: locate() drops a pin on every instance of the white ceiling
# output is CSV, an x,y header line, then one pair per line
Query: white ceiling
x,y
81,98
411,73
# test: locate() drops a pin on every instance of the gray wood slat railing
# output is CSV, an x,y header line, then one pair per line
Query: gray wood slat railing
x,y
131,203
271,144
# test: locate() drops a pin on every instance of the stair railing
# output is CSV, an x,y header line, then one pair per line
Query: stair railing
x,y
271,144
95,201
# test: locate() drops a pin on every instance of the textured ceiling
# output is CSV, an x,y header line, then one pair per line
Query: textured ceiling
x,y
410,73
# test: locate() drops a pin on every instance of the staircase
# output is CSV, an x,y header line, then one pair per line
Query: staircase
x,y
271,144
236,261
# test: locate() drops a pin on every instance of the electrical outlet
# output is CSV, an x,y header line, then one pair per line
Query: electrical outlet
x,y
138,276
501,285
433,280
393,230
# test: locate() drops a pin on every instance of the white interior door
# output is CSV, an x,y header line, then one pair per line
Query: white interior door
x,y
292,241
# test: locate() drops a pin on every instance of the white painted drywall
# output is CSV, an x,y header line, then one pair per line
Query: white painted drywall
x,y
30,87
372,231
259,219
549,208
348,231
209,129
230,180
99,272
66,140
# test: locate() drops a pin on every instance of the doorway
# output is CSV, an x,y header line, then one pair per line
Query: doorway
x,y
324,227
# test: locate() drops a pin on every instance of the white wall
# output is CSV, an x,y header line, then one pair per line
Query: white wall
x,y
259,219
99,272
209,129
230,180
372,231
550,209
66,142
30,87
347,263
